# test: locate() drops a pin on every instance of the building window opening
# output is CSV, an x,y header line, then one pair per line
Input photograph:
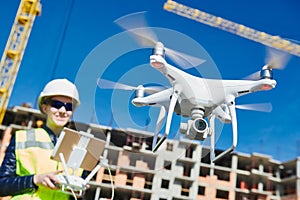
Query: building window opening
x,y
204,171
222,175
165,184
129,179
169,146
189,151
149,180
167,165
187,170
222,194
201,190
185,189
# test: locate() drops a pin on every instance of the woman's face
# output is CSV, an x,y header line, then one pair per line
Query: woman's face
x,y
59,110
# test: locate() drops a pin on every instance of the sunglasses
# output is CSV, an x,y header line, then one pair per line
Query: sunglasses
x,y
58,104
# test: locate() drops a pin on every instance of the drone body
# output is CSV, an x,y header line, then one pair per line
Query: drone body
x,y
197,99
195,92
200,100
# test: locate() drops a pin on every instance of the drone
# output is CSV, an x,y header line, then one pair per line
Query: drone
x,y
201,100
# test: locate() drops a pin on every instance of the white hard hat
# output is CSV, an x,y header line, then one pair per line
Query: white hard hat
x,y
59,87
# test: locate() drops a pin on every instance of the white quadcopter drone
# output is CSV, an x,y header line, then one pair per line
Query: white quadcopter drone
x,y
195,98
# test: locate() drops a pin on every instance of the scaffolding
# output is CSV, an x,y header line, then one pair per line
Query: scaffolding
x,y
180,170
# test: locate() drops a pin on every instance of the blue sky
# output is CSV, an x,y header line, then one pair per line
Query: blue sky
x,y
80,41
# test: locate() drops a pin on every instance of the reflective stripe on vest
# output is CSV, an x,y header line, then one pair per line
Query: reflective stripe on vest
x,y
31,142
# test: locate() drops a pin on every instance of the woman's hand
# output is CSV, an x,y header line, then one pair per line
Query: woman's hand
x,y
47,180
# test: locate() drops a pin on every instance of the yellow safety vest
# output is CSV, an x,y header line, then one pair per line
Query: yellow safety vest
x,y
33,151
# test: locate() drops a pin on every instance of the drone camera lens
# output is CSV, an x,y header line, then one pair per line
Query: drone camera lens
x,y
201,125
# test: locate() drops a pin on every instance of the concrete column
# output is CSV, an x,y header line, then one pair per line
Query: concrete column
x,y
261,168
233,175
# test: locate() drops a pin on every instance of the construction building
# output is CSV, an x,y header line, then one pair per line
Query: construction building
x,y
180,170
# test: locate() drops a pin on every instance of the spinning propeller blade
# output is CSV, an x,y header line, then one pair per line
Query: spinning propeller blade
x,y
253,76
262,107
106,84
275,59
136,24
183,60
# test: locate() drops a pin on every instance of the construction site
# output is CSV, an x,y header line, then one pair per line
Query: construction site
x,y
182,168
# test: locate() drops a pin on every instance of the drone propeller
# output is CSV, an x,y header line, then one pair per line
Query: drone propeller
x,y
262,107
275,59
106,84
136,24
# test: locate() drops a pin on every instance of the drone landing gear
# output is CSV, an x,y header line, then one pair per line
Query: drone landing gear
x,y
168,122
231,106
159,143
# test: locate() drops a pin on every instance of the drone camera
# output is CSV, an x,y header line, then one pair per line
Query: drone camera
x,y
195,129
200,125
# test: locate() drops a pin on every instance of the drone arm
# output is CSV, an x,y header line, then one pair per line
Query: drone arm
x,y
232,111
168,122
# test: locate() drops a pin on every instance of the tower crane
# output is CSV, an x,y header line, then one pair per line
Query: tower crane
x,y
14,50
238,29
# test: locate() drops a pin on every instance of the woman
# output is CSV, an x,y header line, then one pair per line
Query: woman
x,y
27,170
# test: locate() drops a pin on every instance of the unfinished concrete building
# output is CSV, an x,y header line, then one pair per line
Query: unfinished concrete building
x,y
180,170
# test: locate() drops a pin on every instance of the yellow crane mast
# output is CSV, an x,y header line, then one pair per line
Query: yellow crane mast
x,y
238,29
14,50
